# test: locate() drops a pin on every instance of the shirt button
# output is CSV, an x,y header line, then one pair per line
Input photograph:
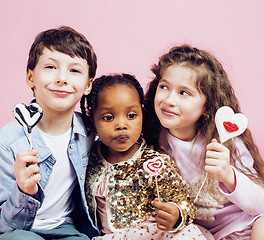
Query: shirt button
x,y
82,177
72,146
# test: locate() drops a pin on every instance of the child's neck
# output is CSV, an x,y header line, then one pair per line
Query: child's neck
x,y
186,135
55,125
117,157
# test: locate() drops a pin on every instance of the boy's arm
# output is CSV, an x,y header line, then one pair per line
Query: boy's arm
x,y
17,209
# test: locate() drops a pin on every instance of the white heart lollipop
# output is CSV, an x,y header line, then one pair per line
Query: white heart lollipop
x,y
28,116
229,124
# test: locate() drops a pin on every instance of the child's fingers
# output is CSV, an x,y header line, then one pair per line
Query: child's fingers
x,y
156,203
162,227
213,154
32,170
27,172
215,146
24,158
30,186
165,221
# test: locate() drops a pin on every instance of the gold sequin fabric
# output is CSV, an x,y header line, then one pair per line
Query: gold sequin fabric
x,y
130,190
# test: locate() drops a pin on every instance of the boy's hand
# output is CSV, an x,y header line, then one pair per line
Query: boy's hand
x,y
217,162
27,172
167,214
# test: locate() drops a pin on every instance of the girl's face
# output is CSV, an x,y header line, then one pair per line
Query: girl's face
x,y
118,119
178,103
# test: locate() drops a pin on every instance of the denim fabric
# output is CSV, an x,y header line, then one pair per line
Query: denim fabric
x,y
18,210
65,231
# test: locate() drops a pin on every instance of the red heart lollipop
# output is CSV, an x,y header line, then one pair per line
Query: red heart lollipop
x,y
154,166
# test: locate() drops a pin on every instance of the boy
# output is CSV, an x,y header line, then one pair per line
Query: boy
x,y
42,190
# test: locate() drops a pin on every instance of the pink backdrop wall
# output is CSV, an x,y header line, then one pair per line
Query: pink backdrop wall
x,y
129,36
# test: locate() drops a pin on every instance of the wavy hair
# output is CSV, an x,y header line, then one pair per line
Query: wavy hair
x,y
213,82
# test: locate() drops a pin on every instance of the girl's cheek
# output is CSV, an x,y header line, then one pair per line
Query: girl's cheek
x,y
158,98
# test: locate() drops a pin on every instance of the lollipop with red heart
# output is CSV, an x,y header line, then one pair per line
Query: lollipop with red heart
x,y
153,167
229,125
28,116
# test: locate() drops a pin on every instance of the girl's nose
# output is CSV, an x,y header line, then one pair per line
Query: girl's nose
x,y
172,99
121,125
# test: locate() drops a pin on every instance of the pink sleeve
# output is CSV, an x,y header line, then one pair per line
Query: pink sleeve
x,y
247,195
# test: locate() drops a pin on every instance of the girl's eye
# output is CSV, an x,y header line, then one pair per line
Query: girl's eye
x,y
131,115
184,93
162,86
108,118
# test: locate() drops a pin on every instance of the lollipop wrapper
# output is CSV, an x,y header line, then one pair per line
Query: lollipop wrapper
x,y
28,115
229,124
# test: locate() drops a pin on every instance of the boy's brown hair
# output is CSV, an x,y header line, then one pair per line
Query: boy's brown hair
x,y
66,40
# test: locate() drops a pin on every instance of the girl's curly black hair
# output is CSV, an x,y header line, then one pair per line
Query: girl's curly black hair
x,y
89,102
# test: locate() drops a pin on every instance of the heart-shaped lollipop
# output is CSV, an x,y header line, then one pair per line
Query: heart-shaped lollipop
x,y
28,116
153,167
229,124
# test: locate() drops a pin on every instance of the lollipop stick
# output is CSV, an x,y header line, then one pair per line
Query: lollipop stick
x,y
156,178
30,142
228,125
206,175
196,197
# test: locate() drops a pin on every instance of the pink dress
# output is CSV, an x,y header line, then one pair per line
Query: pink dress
x,y
226,215
146,230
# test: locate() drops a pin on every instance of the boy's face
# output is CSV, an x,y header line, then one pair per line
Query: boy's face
x,y
59,81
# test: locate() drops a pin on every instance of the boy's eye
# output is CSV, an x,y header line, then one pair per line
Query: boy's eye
x,y
108,117
50,67
75,71
131,115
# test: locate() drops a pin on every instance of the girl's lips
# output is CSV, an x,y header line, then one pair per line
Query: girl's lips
x,y
121,138
168,112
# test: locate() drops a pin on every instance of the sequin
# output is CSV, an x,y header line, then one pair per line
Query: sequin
x,y
131,190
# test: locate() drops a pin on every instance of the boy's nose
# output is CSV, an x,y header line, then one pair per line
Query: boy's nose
x,y
62,82
61,78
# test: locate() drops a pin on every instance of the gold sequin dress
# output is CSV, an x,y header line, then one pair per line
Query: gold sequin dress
x,y
129,190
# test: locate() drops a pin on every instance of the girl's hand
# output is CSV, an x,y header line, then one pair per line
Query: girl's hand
x,y
217,162
27,172
167,214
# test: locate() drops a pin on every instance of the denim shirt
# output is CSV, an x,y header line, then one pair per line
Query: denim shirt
x,y
17,209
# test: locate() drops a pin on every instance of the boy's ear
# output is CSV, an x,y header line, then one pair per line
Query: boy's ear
x,y
29,79
88,88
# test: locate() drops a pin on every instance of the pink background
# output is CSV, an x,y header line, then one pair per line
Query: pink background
x,y
130,35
